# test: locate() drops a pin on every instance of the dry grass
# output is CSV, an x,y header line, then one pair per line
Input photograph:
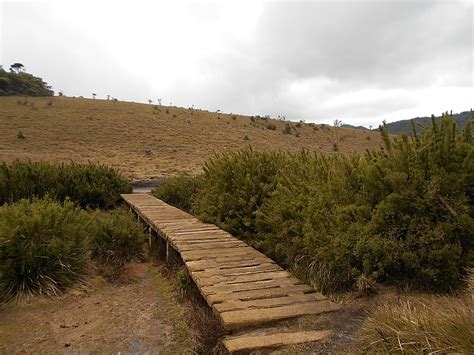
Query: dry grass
x,y
144,141
423,324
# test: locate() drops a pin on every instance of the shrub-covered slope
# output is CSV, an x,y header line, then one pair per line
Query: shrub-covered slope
x,y
402,214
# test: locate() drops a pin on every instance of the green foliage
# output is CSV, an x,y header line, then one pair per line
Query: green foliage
x,y
178,191
21,83
404,213
287,129
271,126
89,185
116,238
233,188
42,247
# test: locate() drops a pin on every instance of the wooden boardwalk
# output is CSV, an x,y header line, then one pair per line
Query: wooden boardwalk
x,y
244,287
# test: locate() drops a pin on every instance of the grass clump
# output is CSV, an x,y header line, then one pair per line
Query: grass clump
x,y
116,238
178,191
428,325
88,185
42,248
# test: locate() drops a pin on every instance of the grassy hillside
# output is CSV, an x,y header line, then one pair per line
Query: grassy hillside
x,y
147,141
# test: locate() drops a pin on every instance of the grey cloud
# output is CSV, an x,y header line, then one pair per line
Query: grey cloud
x,y
380,43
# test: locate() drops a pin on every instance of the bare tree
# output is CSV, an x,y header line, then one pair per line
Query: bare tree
x,y
150,101
159,101
94,95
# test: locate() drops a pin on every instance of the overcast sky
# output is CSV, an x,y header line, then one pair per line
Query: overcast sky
x,y
358,61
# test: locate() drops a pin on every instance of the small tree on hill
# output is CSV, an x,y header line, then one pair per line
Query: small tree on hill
x,y
17,67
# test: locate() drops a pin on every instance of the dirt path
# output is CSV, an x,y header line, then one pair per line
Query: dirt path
x,y
98,318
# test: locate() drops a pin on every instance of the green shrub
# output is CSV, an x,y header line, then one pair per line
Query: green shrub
x,y
17,82
271,126
178,191
404,213
116,238
42,247
88,185
233,188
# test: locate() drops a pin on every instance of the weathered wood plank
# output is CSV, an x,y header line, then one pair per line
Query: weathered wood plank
x,y
233,305
251,317
244,343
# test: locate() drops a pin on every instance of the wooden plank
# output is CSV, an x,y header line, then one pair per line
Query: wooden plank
x,y
232,305
261,293
238,270
245,343
251,317
205,255
208,246
256,285
226,263
239,279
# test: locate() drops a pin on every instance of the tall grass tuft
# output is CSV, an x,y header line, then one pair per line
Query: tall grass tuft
x,y
428,325
116,238
42,248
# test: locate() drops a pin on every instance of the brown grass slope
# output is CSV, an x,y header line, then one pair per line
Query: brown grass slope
x,y
146,141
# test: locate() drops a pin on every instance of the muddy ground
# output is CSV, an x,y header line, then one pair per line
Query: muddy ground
x,y
98,317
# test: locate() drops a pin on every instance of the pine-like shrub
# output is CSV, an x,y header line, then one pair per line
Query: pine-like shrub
x,y
404,213
115,238
42,247
233,188
178,191
88,185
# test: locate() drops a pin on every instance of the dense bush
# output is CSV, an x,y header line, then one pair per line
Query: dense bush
x,y
404,213
178,191
21,83
42,247
233,188
89,185
116,238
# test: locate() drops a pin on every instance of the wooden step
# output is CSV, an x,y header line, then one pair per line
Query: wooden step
x,y
244,343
